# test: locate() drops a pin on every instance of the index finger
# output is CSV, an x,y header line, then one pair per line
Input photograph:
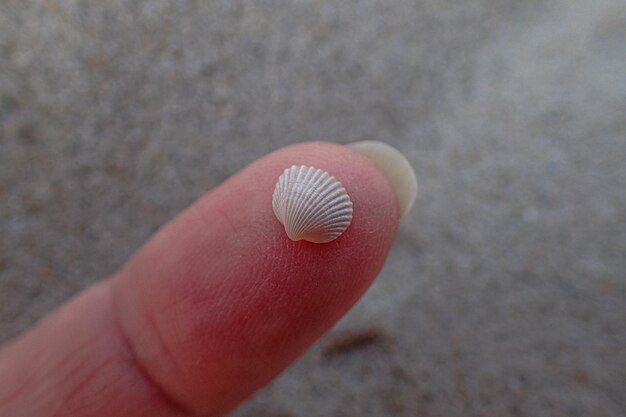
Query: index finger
x,y
212,307
220,301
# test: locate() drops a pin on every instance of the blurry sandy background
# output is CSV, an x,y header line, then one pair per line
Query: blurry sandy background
x,y
505,294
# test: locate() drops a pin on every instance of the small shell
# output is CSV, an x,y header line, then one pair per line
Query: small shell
x,y
311,204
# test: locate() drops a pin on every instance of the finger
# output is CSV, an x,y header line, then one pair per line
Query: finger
x,y
220,300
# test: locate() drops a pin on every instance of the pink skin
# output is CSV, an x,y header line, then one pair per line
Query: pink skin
x,y
211,308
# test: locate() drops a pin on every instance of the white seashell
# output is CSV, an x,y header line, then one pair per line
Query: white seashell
x,y
311,204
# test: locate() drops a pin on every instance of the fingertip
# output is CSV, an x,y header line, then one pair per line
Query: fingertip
x,y
375,206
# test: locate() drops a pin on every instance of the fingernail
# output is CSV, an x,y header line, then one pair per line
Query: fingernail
x,y
395,167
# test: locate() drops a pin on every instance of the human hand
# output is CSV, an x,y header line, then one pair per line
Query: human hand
x,y
211,308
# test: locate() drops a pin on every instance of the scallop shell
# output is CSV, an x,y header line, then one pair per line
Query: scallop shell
x,y
311,204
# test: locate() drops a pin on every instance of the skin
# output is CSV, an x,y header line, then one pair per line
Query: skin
x,y
215,305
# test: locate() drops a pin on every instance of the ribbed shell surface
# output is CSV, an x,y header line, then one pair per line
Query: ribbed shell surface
x,y
311,204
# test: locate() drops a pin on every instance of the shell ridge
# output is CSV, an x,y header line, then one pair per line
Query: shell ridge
x,y
283,185
311,204
335,198
330,220
294,181
334,207
343,218
304,214
300,216
301,184
276,197
328,185
335,193
284,180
